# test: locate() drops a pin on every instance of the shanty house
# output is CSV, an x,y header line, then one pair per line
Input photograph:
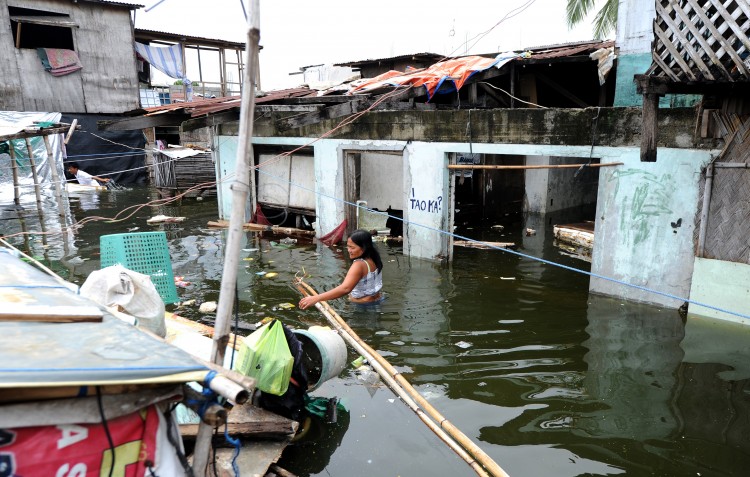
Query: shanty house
x,y
65,56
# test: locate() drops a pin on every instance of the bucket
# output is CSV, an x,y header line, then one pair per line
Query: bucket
x,y
323,354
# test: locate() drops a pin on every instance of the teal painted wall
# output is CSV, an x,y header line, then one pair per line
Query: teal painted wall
x,y
625,92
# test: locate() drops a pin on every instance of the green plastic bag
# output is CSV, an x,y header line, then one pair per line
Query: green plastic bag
x,y
265,356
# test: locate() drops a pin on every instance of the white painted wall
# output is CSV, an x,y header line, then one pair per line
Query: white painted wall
x,y
536,184
635,26
287,181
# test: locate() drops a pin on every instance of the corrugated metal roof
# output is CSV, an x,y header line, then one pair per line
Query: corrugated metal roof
x,y
121,3
415,56
177,37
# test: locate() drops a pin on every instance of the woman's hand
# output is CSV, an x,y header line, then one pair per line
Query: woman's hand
x,y
307,302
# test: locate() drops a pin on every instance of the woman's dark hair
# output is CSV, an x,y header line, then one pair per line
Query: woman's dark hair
x,y
363,239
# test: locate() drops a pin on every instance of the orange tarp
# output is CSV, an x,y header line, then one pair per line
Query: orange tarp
x,y
456,70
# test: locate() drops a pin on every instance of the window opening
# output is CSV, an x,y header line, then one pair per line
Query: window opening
x,y
41,29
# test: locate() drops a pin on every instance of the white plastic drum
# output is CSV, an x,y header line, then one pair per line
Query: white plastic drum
x,y
324,354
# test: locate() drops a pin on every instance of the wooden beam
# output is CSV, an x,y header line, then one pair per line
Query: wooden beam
x,y
210,120
142,122
332,112
563,91
649,127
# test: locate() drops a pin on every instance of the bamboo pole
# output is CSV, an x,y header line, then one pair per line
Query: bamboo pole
x,y
543,166
56,180
30,150
14,167
705,209
449,433
70,131
234,235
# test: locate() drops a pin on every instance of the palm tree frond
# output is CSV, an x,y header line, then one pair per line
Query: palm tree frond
x,y
606,19
577,11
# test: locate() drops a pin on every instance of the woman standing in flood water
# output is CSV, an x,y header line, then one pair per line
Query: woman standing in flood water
x,y
363,281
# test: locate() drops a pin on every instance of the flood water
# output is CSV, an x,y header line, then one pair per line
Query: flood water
x,y
545,378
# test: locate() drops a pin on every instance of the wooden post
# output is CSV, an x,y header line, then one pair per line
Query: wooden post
x,y
512,85
30,150
14,168
649,127
70,131
240,190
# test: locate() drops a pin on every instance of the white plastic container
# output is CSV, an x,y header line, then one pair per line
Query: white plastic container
x,y
324,354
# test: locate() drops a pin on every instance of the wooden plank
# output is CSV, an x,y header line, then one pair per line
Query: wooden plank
x,y
675,55
248,420
649,127
34,131
483,245
142,122
254,459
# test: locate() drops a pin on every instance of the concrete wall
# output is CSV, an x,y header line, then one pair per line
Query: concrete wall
x,y
722,284
636,241
108,82
637,202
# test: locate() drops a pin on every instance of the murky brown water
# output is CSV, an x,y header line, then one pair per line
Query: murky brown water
x,y
545,378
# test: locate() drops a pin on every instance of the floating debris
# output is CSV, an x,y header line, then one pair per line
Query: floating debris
x,y
261,273
530,232
271,274
164,219
250,249
208,307
288,241
464,344
286,306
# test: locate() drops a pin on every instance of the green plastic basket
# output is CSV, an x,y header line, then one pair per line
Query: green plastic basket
x,y
142,252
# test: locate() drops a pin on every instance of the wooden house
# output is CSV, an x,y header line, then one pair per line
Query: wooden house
x,y
98,34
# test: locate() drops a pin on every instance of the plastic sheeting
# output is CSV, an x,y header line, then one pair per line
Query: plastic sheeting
x,y
83,353
12,122
453,73
119,155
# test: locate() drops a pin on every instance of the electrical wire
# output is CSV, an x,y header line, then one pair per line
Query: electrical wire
x,y
106,429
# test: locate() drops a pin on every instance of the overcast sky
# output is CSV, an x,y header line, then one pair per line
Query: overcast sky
x,y
296,33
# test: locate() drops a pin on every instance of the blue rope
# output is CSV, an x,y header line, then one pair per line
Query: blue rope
x,y
514,252
237,445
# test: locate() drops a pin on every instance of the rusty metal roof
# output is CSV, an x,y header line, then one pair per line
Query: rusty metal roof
x,y
568,49
215,105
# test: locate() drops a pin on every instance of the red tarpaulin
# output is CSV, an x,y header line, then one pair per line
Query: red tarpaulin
x,y
335,236
259,217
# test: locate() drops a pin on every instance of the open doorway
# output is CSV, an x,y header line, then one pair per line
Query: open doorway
x,y
375,180
508,198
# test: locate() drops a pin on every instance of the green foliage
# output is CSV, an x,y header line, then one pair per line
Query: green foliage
x,y
605,20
